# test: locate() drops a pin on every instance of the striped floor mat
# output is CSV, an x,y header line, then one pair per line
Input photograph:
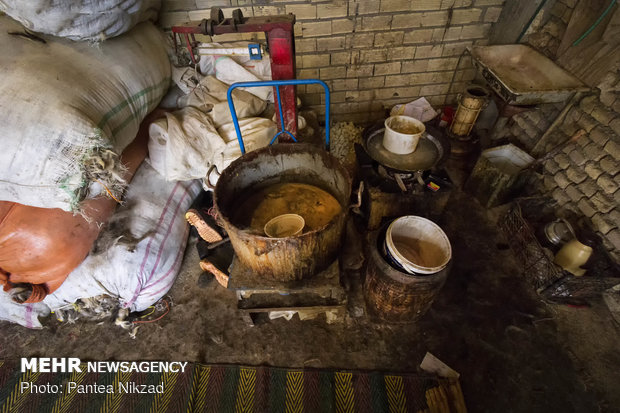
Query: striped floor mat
x,y
216,388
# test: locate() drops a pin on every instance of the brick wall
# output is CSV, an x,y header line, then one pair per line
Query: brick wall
x,y
585,176
372,53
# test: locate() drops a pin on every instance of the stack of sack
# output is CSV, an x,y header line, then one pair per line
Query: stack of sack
x,y
72,142
82,218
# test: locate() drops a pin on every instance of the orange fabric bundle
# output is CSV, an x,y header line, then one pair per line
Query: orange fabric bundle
x,y
39,247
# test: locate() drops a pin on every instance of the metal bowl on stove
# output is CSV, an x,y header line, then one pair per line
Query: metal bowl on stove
x,y
433,149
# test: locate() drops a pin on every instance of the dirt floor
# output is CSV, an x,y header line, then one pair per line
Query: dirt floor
x,y
514,352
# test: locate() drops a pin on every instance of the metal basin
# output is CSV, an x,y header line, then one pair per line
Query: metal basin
x,y
295,257
523,76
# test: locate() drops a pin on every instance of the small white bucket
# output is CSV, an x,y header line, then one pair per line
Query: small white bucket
x,y
418,245
286,225
402,134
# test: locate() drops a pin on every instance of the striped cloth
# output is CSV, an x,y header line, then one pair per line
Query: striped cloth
x,y
216,388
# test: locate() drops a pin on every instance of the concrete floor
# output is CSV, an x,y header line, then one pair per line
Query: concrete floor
x,y
514,352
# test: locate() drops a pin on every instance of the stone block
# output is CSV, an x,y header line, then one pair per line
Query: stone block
x,y
388,39
603,223
424,52
372,82
302,11
614,238
455,49
602,114
432,90
561,179
615,125
398,80
330,43
317,60
602,202
562,160
359,71
305,45
613,149
560,196
375,23
387,68
333,72
418,36
444,63
447,34
363,7
416,66
610,165
373,55
593,152
340,58
313,29
600,134
401,53
340,26
586,207
492,14
344,84
574,193
308,73
360,40
549,183
589,187
421,5
332,10
394,5
593,170
475,31
552,167
607,183
577,157
466,16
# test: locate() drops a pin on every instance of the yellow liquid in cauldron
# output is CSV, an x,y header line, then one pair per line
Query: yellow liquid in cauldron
x,y
316,206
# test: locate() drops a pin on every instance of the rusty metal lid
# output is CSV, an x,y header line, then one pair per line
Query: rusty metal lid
x,y
426,155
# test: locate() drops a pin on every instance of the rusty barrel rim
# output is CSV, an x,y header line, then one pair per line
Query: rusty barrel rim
x,y
277,149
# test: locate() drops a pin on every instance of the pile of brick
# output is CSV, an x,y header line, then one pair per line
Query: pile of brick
x,y
584,176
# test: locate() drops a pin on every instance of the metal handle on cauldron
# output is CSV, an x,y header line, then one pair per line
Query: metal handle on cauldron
x,y
276,85
207,182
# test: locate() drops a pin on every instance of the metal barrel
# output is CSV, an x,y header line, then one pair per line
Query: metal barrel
x,y
396,296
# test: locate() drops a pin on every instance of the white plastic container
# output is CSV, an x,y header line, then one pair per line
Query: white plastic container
x,y
418,245
286,225
402,134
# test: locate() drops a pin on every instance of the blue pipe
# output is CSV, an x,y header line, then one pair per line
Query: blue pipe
x,y
277,84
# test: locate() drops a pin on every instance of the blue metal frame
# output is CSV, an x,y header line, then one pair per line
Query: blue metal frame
x,y
276,84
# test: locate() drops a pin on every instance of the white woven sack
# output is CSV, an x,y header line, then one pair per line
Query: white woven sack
x,y
69,108
140,267
81,19
185,144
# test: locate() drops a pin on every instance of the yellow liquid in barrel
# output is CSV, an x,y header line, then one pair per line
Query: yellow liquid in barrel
x,y
316,206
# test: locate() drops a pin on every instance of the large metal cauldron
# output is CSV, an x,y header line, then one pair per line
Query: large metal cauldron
x,y
291,258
